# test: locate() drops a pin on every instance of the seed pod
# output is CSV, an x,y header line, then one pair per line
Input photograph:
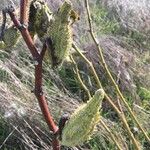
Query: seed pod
x,y
81,124
40,18
11,36
60,35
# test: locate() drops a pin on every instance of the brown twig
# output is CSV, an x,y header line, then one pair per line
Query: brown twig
x,y
23,11
25,34
38,58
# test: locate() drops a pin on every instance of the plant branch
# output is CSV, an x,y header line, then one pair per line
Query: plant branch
x,y
76,71
88,92
111,134
44,105
41,98
117,82
99,85
122,117
38,57
42,53
23,11
25,34
102,60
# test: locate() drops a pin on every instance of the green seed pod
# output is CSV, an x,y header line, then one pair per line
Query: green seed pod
x,y
60,35
11,36
81,124
40,18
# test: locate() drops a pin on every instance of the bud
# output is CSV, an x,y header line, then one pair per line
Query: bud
x,y
81,124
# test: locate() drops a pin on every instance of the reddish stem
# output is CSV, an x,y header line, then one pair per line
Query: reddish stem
x,y
38,57
26,36
55,144
39,93
44,106
23,11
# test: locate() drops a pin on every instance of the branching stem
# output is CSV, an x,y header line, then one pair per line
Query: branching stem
x,y
102,60
122,117
88,93
38,58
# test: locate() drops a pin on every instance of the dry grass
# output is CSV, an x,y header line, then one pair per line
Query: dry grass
x,y
18,105
133,14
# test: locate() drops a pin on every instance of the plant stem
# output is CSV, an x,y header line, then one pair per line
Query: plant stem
x,y
111,134
122,117
88,92
102,60
109,74
38,58
99,85
23,11
76,71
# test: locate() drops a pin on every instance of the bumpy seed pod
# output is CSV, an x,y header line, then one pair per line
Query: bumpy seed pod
x,y
40,18
60,35
10,38
83,121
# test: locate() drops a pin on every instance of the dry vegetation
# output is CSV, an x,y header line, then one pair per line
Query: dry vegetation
x,y
21,122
